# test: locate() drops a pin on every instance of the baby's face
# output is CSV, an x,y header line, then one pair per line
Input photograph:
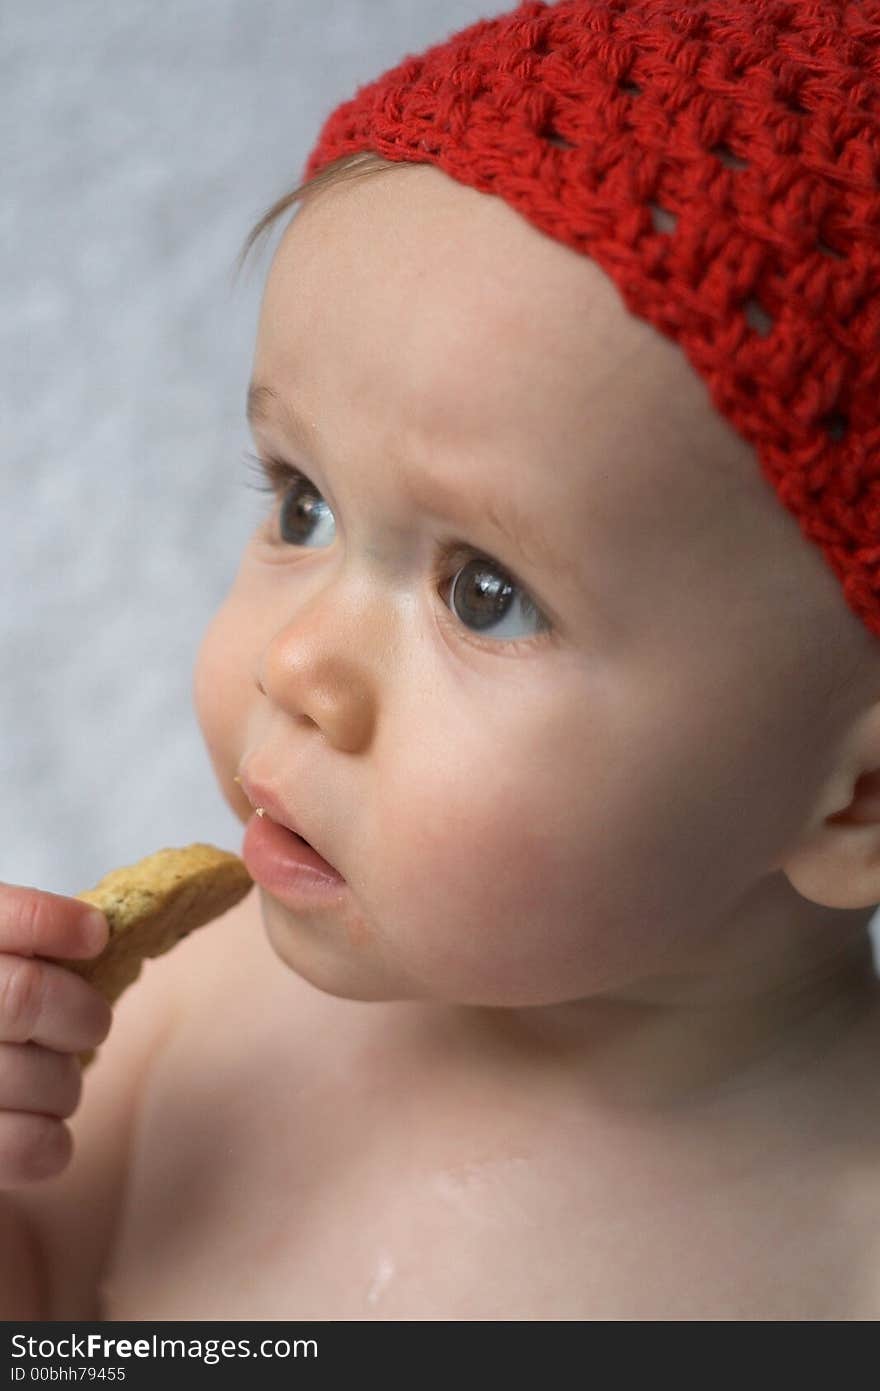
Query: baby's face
x,y
526,670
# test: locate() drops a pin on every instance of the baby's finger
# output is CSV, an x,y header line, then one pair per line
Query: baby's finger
x,y
45,1004
36,923
32,1147
38,1079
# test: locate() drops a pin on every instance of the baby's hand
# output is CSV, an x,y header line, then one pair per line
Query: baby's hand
x,y
48,1016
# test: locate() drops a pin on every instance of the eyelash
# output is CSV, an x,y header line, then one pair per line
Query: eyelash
x,y
273,476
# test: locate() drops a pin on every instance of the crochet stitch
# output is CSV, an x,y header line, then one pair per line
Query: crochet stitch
x,y
721,162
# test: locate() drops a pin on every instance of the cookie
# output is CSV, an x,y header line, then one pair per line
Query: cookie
x,y
151,905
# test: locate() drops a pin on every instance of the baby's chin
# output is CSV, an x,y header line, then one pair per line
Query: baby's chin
x,y
338,955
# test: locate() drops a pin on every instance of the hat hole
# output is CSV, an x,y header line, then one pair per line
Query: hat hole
x,y
836,424
758,318
726,155
554,138
829,250
664,221
631,87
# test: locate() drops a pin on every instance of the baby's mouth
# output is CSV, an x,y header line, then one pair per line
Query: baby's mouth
x,y
281,862
300,849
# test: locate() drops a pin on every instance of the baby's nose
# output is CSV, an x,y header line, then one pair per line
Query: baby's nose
x,y
326,675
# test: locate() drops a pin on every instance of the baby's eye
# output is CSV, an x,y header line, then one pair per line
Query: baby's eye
x,y
484,598
299,512
304,516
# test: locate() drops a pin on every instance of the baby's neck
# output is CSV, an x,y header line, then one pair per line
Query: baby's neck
x,y
647,1051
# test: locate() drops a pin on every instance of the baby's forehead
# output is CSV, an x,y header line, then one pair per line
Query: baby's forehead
x,y
457,331
470,306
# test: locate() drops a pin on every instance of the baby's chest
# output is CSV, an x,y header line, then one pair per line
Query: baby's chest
x,y
246,1207
303,1173
328,1198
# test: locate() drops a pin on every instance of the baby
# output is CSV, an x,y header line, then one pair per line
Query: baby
x,y
558,644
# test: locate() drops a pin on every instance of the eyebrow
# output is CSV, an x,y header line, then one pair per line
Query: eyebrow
x,y
260,402
264,404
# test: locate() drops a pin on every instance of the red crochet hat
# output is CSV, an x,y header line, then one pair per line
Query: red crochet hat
x,y
721,162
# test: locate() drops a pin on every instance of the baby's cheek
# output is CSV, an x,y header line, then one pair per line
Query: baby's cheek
x,y
219,700
208,682
482,903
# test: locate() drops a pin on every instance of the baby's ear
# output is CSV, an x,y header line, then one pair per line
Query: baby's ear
x,y
837,862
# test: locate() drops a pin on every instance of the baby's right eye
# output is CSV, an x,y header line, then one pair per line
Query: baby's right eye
x,y
304,514
301,512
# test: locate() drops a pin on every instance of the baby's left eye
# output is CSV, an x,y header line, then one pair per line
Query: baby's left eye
x,y
485,599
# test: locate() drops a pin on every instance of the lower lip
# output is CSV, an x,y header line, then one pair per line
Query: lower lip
x,y
290,869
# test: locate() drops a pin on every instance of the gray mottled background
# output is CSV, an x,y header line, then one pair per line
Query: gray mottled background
x,y
140,142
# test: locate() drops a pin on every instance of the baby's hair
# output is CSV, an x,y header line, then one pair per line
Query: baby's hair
x,y
347,167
